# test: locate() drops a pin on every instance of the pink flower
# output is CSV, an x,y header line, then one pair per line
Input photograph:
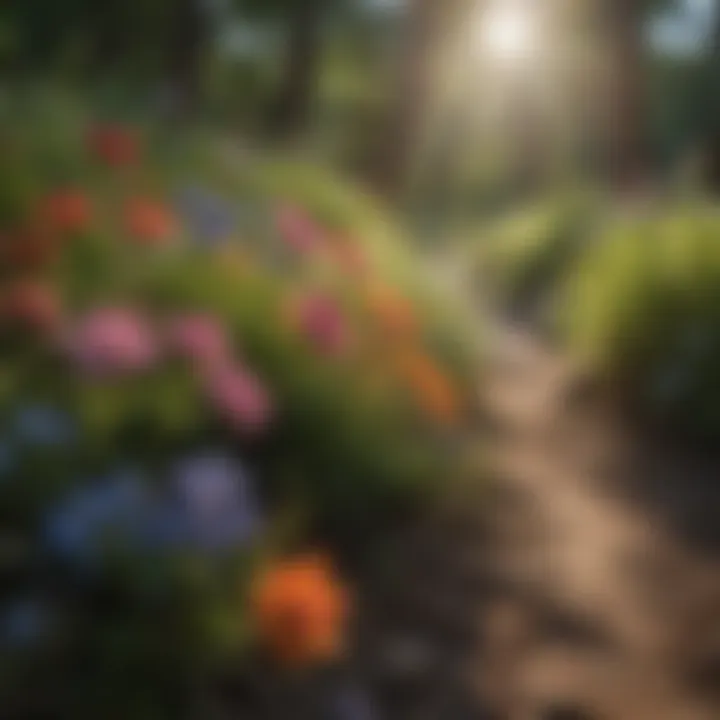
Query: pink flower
x,y
240,397
323,323
298,229
113,340
199,338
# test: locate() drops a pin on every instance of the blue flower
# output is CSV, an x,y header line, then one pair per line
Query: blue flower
x,y
112,510
208,216
213,506
44,426
24,623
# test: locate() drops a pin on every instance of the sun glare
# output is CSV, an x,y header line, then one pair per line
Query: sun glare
x,y
506,31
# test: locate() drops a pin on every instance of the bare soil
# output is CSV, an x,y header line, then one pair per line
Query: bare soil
x,y
579,579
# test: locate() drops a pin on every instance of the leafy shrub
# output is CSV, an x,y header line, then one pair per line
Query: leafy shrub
x,y
198,346
643,311
527,254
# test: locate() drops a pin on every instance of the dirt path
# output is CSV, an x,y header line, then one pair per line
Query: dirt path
x,y
584,582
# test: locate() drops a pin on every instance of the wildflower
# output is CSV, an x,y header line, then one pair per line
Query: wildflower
x,y
114,145
213,506
200,338
432,390
300,609
149,222
348,255
113,511
240,397
111,340
43,426
392,313
31,304
66,211
322,322
208,216
298,229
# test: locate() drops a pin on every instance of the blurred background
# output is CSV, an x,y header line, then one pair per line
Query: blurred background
x,y
359,359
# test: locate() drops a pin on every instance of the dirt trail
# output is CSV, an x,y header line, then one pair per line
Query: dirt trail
x,y
583,583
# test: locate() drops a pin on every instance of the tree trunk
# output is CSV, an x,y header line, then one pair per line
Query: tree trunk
x,y
291,110
402,131
627,138
711,106
111,40
404,127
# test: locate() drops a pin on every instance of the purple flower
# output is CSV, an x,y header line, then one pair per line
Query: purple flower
x,y
112,510
208,216
43,426
200,338
109,340
212,507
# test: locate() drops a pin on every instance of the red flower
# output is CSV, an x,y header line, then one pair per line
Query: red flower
x,y
32,305
150,223
66,211
114,145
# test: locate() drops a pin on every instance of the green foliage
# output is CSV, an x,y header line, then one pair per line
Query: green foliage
x,y
347,445
525,256
643,310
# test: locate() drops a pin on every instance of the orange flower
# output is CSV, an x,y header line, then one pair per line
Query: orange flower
x,y
66,211
150,223
392,312
300,609
431,388
30,304
114,145
347,254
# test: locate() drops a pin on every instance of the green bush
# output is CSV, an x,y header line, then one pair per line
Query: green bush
x,y
352,413
643,312
526,255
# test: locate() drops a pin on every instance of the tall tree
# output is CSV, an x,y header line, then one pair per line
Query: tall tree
x,y
189,31
627,146
301,23
293,105
404,126
711,107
